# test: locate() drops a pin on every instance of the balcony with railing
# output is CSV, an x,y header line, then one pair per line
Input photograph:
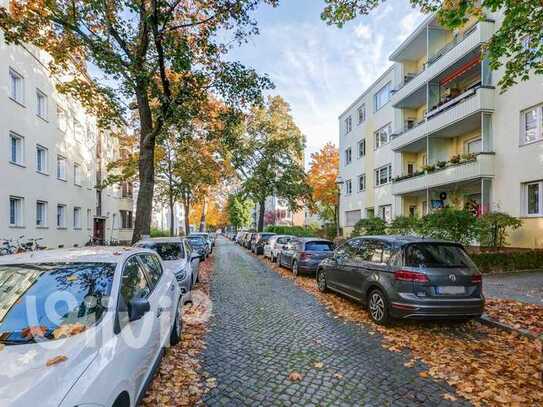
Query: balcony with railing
x,y
445,57
459,169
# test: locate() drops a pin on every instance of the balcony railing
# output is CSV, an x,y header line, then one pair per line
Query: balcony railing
x,y
480,166
447,56
463,106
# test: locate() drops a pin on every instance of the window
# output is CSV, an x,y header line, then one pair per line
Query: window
x,y
532,124
41,159
352,217
152,264
126,190
126,219
41,213
383,175
89,218
361,148
16,148
79,131
41,104
16,211
361,114
348,156
382,97
348,125
61,118
61,216
134,285
348,187
533,198
412,210
362,183
61,168
385,212
16,86
77,218
77,174
382,136
473,146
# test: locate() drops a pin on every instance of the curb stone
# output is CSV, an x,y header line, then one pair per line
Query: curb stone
x,y
486,320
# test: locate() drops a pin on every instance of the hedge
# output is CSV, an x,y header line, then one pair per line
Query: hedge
x,y
508,261
298,231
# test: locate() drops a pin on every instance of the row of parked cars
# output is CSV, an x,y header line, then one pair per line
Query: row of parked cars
x,y
88,326
394,277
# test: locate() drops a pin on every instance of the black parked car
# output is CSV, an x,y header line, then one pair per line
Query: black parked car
x,y
405,277
303,255
260,240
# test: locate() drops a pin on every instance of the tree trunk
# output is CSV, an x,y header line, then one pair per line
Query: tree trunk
x,y
203,216
170,195
261,210
144,205
172,217
186,210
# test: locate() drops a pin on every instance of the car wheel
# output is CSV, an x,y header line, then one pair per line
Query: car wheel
x,y
175,336
321,281
295,268
378,307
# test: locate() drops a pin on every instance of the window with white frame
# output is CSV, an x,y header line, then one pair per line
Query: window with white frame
x,y
41,104
532,124
382,96
61,168
126,219
361,148
383,175
89,219
41,213
16,86
79,131
62,119
77,174
348,155
385,213
361,114
348,124
352,217
382,136
41,159
77,218
533,198
473,146
348,187
361,182
16,211
61,216
16,149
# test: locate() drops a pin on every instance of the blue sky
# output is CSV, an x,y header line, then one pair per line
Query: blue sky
x,y
321,69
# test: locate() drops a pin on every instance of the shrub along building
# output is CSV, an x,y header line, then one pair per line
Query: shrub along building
x,y
53,160
435,131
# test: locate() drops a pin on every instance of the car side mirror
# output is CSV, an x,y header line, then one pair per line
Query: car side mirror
x,y
138,308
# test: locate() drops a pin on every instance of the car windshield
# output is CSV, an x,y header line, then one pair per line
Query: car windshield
x,y
51,301
265,238
436,255
166,251
319,246
196,241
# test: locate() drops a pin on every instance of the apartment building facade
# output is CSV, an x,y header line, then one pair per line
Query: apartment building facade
x,y
49,160
457,140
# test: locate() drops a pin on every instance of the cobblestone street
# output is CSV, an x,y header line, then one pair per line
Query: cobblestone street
x,y
264,327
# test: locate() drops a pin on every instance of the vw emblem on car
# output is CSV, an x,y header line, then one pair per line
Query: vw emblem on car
x,y
452,277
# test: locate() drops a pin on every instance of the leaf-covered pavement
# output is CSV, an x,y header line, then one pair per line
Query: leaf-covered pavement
x,y
485,365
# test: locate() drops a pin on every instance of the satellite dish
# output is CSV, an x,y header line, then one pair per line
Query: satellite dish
x,y
443,196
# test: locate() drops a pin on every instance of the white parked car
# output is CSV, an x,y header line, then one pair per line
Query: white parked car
x,y
84,327
274,245
178,257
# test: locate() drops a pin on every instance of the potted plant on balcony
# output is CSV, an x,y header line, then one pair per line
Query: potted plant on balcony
x,y
441,164
429,168
455,159
469,157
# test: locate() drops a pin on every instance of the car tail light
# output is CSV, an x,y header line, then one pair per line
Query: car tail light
x,y
404,275
477,279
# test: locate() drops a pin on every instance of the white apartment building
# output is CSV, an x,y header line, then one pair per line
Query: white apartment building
x,y
49,160
457,140
161,218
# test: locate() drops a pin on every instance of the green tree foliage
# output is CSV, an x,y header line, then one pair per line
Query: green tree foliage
x,y
404,225
493,228
239,211
269,156
369,227
449,224
163,57
517,43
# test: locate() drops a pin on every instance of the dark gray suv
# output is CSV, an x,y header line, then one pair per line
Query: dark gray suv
x,y
304,254
405,277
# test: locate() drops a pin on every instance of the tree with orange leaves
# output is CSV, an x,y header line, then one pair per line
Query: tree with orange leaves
x,y
323,171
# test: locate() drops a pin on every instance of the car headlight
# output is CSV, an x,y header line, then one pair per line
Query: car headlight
x,y
180,275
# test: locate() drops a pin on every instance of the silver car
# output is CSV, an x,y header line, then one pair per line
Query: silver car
x,y
274,246
405,277
178,257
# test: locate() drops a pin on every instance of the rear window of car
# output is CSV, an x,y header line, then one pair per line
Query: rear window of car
x,y
196,241
319,246
166,251
436,255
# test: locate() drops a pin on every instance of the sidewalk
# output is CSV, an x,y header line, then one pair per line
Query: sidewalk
x,y
520,286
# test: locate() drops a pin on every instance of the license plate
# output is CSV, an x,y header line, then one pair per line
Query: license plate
x,y
451,290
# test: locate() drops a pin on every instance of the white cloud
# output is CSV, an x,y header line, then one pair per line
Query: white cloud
x,y
408,24
363,32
